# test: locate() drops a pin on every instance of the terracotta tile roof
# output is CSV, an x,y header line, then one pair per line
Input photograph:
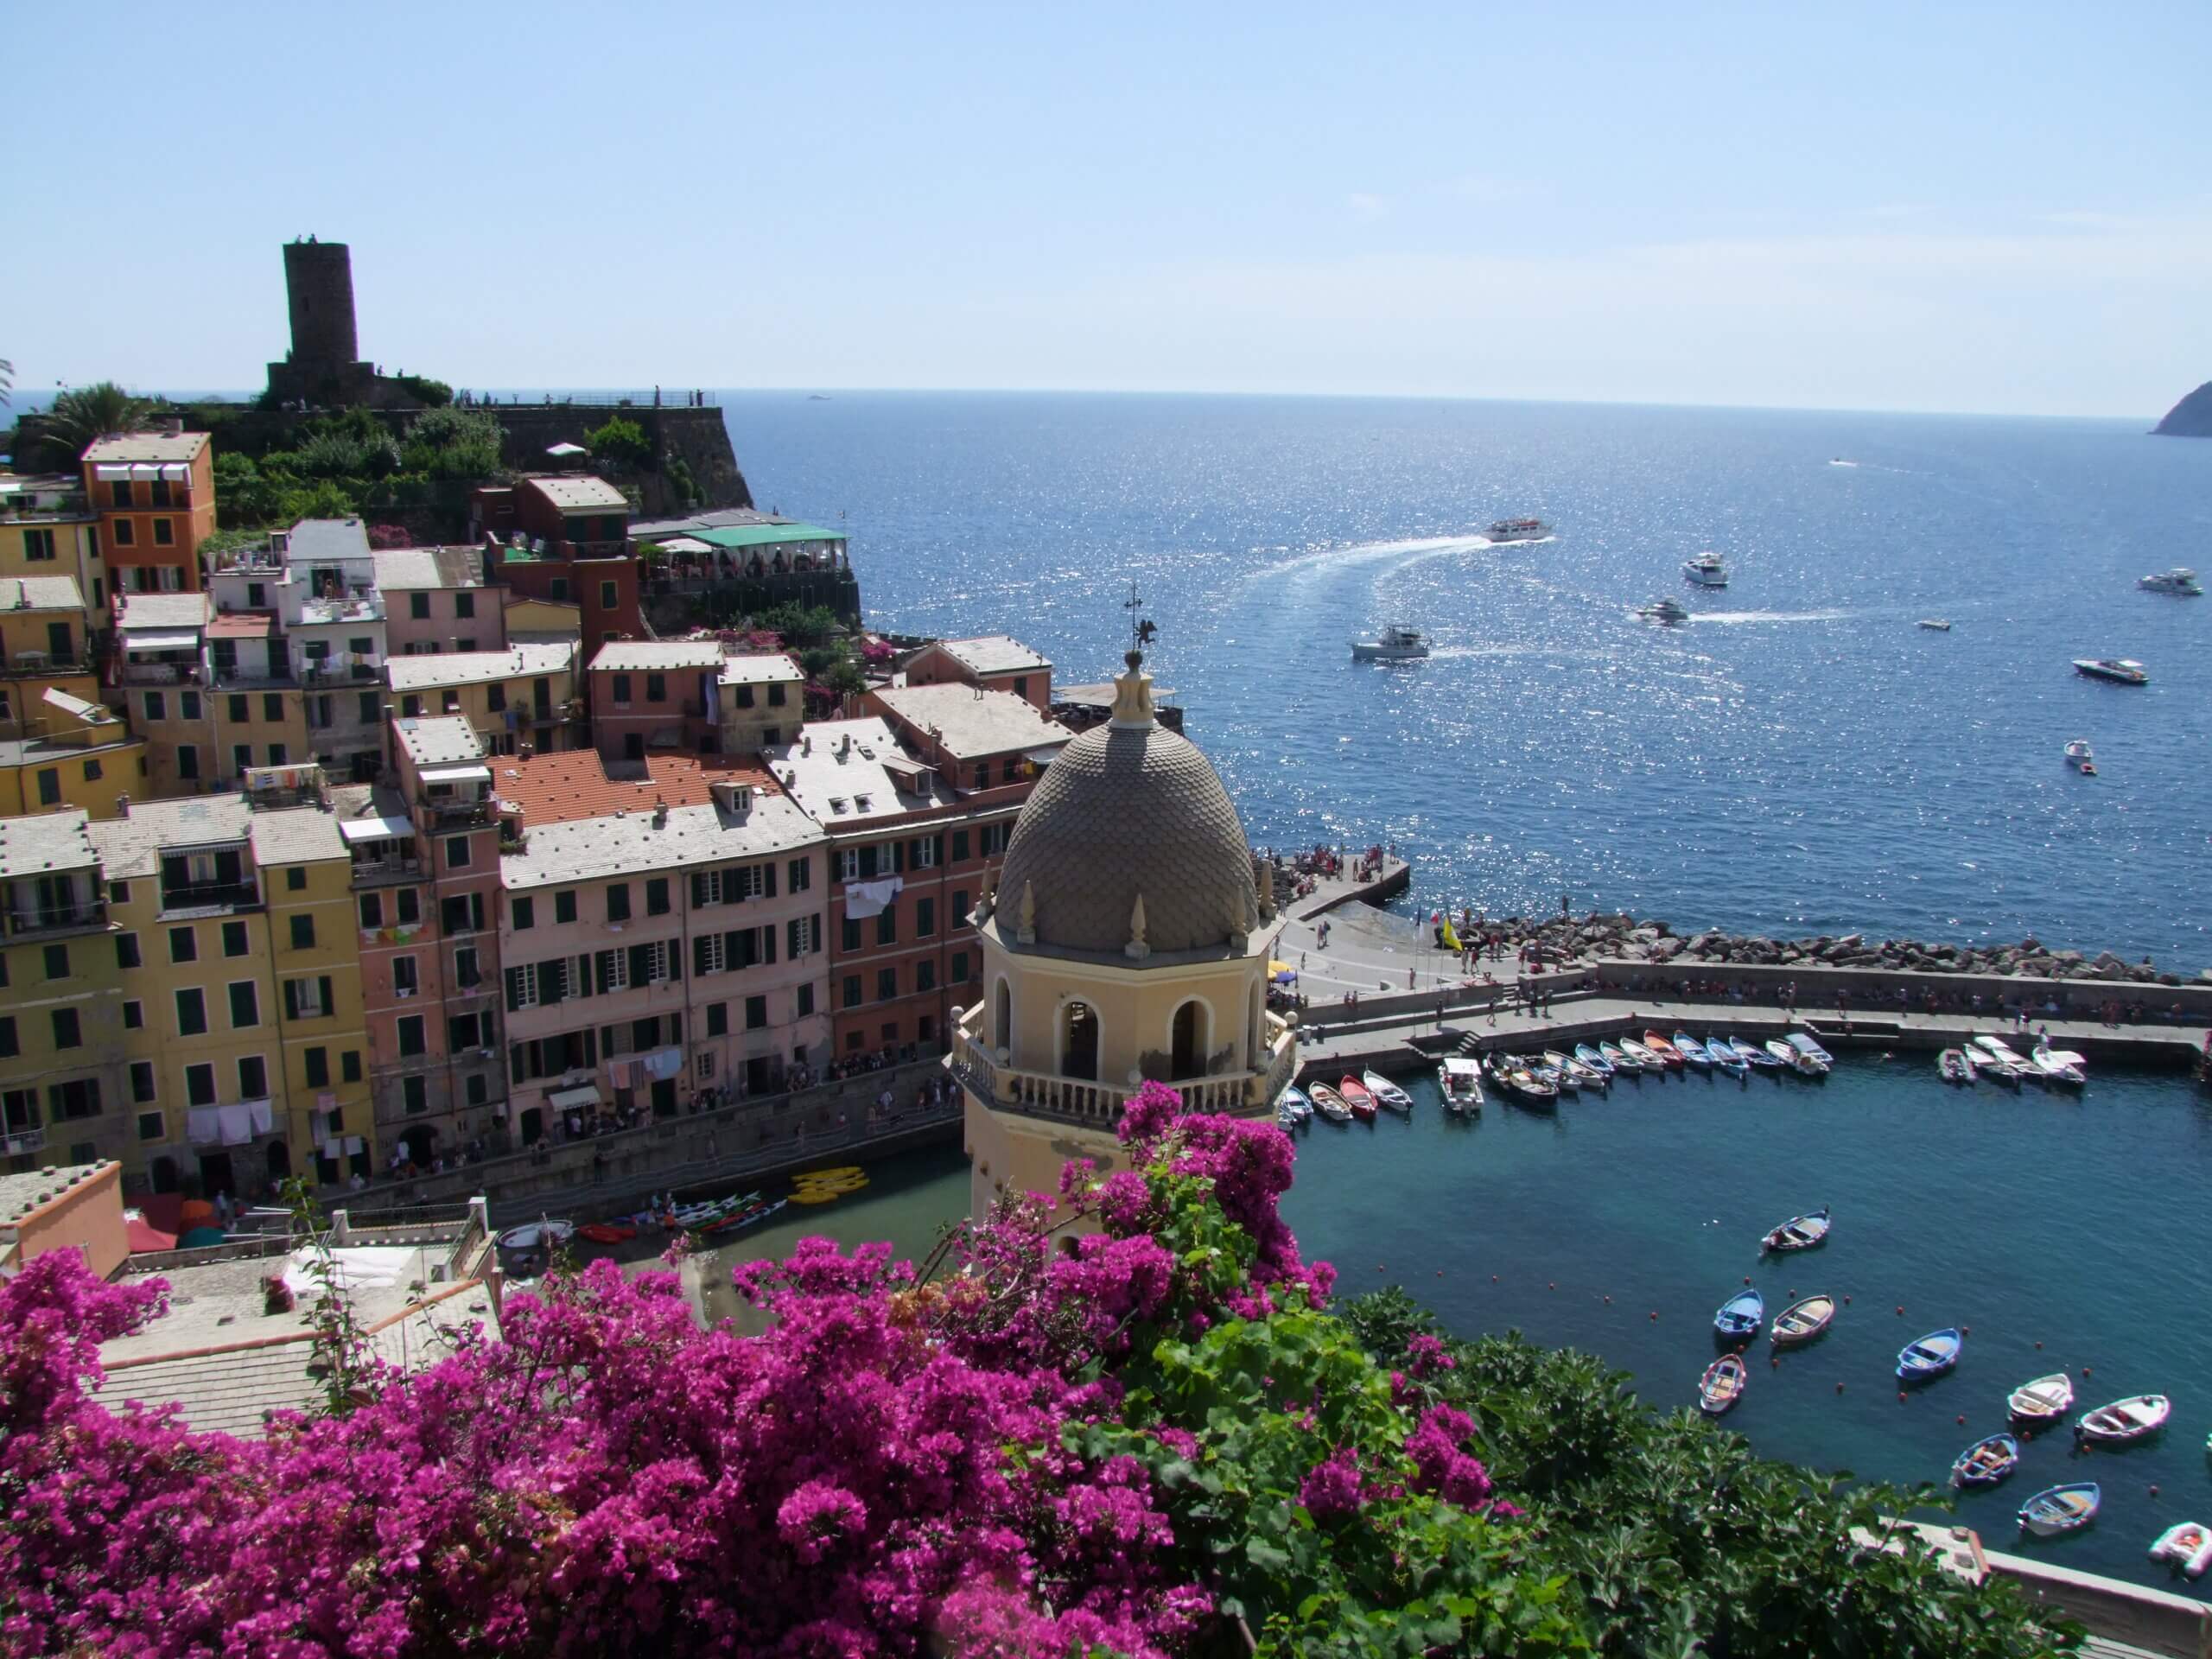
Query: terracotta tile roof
x,y
242,625
580,784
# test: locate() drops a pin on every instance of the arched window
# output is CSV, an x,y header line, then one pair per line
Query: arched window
x,y
1003,1018
1186,1042
1079,1042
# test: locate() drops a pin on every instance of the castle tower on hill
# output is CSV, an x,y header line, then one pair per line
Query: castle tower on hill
x,y
1128,939
321,370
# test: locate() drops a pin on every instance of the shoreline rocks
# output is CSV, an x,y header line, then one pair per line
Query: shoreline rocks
x,y
1649,939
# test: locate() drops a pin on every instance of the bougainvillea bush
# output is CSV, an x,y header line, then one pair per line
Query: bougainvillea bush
x,y
1155,1439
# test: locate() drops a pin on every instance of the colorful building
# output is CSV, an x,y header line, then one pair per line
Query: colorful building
x,y
44,646
425,854
155,495
522,697
156,677
908,856
689,694
62,1011
565,538
653,955
200,1043
48,528
994,662
435,600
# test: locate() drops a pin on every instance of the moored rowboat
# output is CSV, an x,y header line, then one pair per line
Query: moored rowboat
x,y
1722,1385
1801,1321
2061,1508
2044,1400
1931,1357
1327,1101
1799,1232
1986,1462
1665,1050
2133,1418
1741,1315
1385,1092
1356,1096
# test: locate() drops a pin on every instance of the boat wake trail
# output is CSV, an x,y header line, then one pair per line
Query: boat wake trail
x,y
1340,558
1768,616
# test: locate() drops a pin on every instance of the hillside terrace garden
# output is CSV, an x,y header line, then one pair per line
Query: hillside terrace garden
x,y
1162,1439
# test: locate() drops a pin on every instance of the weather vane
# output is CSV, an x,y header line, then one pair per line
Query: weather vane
x,y
1142,628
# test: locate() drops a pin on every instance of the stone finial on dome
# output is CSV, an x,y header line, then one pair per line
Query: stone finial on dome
x,y
1133,696
1136,949
986,902
1264,878
1026,931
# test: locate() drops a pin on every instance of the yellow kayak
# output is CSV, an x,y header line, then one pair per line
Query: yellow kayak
x,y
843,1171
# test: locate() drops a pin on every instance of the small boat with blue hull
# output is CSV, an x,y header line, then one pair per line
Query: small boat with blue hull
x,y
1801,1321
1692,1050
1986,1462
1931,1357
1646,1058
1595,1059
2061,1508
2135,1418
1740,1317
1293,1110
1723,1054
1624,1063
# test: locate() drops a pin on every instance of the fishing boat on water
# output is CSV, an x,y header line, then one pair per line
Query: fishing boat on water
x,y
607,1232
1385,1092
2060,1065
1584,1076
1783,1055
1802,1321
1544,1072
1752,1054
1955,1066
1521,1085
1327,1101
1595,1059
2044,1400
2135,1418
1723,1054
2082,757
1398,644
1799,1232
1986,1462
1356,1096
1624,1063
1722,1385
1669,1055
541,1235
1804,1043
1936,624
1931,1357
1506,530
1645,1059
1667,611
1741,1316
1692,1050
1295,1110
2181,582
2187,1546
2061,1508
1461,1079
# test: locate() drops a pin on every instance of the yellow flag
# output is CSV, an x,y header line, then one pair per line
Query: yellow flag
x,y
1451,940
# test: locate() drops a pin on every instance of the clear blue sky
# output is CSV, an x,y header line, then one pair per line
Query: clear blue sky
x,y
2001,208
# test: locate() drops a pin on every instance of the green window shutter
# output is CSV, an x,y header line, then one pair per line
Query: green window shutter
x,y
699,951
770,875
698,888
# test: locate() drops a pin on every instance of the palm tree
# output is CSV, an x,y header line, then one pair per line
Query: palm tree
x,y
6,380
85,415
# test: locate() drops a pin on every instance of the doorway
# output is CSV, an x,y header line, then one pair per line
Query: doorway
x,y
1079,1042
1186,1059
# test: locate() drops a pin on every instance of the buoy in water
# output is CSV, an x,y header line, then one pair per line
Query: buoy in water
x,y
2038,1347
1654,1312
1839,1388
1551,1284
2154,1490
1965,1330
1962,1420
2085,1371
1901,1396
1608,1301
1846,1301
1900,1310
1747,1278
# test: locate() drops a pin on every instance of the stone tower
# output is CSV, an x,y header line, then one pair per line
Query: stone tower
x,y
319,282
320,369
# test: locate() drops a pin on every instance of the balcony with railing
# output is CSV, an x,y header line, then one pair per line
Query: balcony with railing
x,y
21,1143
341,608
451,814
130,673
373,872
1097,1105
76,916
45,662
209,896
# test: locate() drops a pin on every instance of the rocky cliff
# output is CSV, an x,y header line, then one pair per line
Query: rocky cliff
x,y
2189,418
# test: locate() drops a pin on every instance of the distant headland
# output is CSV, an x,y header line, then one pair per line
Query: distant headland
x,y
2189,418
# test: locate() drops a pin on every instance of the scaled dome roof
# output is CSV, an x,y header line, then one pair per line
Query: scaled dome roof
x,y
1130,808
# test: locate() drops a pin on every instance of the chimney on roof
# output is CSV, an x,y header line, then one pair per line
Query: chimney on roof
x,y
122,806
172,426
660,814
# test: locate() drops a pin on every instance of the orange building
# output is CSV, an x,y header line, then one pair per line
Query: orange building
x,y
154,493
64,1207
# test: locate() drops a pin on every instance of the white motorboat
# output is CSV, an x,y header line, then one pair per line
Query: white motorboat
x,y
2004,1058
1937,624
1706,571
537,1235
2081,757
1293,1110
1461,1079
1518,530
1399,644
2060,1064
2181,580
1667,611
2122,671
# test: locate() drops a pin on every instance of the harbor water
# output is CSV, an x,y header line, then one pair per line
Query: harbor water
x,y
1801,757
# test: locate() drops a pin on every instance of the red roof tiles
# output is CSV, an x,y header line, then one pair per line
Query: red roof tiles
x,y
557,788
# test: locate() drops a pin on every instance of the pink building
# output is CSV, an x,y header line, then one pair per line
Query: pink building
x,y
993,662
426,876
652,955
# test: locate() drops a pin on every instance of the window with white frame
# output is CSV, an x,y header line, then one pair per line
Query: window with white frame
x,y
849,864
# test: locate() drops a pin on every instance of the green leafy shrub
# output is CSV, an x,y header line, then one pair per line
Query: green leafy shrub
x,y
622,441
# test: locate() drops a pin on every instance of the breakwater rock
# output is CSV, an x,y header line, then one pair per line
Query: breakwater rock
x,y
1627,938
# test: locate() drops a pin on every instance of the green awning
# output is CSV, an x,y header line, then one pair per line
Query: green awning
x,y
764,535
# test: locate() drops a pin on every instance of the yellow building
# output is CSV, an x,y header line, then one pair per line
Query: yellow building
x,y
202,1046
531,621
88,767
521,695
61,1001
44,646
1127,940
48,528
157,676
307,877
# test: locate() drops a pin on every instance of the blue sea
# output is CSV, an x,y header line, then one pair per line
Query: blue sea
x,y
1801,757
